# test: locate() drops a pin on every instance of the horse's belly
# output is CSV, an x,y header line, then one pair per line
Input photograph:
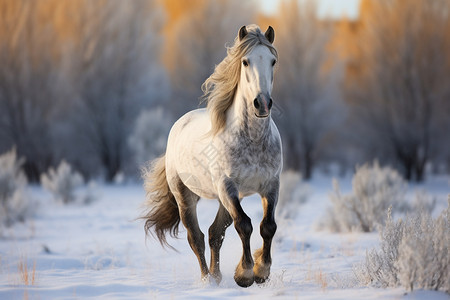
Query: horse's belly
x,y
201,186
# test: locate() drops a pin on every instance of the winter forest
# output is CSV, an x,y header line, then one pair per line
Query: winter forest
x,y
90,89
98,84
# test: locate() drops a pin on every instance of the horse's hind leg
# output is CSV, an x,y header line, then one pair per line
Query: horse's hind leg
x,y
187,205
216,236
263,260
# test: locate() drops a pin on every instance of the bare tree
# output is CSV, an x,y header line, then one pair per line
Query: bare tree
x,y
399,100
30,82
116,71
301,85
199,38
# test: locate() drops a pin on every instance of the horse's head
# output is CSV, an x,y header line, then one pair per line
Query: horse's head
x,y
257,64
247,69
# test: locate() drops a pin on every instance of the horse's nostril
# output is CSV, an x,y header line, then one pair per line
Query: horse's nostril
x,y
256,103
270,103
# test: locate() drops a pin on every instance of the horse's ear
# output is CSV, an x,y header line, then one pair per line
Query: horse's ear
x,y
270,34
242,32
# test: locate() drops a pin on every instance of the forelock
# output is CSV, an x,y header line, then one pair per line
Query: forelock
x,y
253,38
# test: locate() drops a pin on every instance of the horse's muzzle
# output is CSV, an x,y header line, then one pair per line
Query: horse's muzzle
x,y
262,104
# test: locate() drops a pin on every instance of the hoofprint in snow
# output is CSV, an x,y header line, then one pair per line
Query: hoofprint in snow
x,y
99,251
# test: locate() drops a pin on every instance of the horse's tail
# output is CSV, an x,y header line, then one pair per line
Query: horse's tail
x,y
162,210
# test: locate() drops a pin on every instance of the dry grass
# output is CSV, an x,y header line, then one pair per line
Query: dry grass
x,y
317,276
27,275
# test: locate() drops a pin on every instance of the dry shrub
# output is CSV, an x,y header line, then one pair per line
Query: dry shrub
x,y
149,137
15,205
63,184
375,189
414,253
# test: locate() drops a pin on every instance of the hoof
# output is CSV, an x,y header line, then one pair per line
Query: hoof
x,y
216,277
244,278
206,277
244,281
260,280
261,272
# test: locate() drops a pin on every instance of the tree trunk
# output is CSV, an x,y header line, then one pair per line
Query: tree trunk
x,y
419,170
408,170
294,162
307,165
31,171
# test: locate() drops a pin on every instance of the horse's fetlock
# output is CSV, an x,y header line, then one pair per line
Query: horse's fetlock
x,y
244,226
268,229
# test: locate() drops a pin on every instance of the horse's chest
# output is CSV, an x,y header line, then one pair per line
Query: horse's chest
x,y
252,166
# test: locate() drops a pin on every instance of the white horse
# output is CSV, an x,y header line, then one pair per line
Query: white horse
x,y
227,151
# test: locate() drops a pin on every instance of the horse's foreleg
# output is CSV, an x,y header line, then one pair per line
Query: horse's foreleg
x,y
263,260
229,197
216,236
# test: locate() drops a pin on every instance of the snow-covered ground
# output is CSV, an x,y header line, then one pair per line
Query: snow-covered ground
x,y
99,251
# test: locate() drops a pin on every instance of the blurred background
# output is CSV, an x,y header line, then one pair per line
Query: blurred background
x,y
98,84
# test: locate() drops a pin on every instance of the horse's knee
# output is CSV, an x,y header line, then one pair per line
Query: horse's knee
x,y
268,229
244,226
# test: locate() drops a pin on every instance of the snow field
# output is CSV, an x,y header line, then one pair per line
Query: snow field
x,y
99,251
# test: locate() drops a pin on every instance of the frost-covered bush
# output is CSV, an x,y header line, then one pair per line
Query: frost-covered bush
x,y
149,136
375,189
62,182
90,193
15,205
421,202
414,253
293,192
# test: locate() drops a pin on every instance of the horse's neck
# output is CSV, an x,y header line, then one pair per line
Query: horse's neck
x,y
241,120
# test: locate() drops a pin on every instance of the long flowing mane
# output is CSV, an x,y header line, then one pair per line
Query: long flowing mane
x,y
220,87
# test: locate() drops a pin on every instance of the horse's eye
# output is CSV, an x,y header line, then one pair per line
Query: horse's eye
x,y
245,63
274,62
